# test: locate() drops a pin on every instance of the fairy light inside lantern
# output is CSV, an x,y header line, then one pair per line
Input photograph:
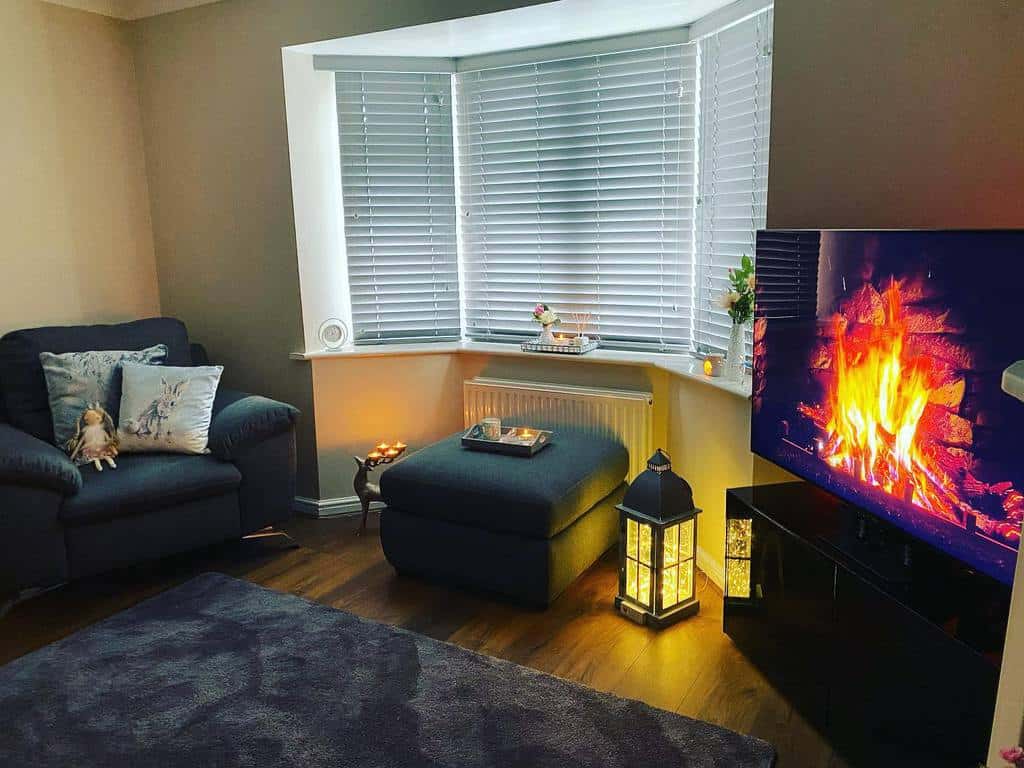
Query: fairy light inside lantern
x,y
657,547
738,535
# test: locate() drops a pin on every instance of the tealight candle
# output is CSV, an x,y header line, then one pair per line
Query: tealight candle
x,y
374,455
391,452
714,365
400,446
382,447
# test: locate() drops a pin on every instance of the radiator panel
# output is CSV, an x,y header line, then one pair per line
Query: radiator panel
x,y
623,414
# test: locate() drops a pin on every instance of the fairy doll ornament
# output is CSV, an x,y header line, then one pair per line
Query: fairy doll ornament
x,y
95,439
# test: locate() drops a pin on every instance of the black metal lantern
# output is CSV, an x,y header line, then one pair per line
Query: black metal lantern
x,y
657,547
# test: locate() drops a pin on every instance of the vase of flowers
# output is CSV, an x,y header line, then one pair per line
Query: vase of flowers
x,y
542,314
738,301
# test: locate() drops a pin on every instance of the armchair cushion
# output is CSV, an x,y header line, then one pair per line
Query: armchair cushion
x,y
142,484
241,420
28,461
23,391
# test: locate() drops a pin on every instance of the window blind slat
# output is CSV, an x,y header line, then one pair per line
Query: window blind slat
x,y
577,189
735,92
398,192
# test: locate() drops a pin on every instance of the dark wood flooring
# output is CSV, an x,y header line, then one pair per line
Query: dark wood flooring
x,y
691,668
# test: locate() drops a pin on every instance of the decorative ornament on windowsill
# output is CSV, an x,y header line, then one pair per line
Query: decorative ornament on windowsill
x,y
542,314
738,301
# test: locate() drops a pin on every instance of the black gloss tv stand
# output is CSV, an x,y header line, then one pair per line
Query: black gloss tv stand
x,y
888,646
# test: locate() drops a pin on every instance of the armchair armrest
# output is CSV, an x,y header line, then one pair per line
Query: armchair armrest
x,y
241,420
27,460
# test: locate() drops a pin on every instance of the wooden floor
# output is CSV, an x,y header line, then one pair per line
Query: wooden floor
x,y
691,668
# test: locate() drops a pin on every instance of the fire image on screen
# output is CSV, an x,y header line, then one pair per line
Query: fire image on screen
x,y
878,359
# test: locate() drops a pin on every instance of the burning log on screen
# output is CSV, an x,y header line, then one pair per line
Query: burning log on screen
x,y
894,371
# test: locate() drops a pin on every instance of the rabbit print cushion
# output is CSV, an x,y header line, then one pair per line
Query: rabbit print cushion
x,y
165,408
79,380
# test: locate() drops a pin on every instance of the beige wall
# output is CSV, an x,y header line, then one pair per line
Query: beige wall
x,y
75,237
360,401
897,113
212,97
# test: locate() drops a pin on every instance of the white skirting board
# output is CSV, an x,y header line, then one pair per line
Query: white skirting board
x,y
338,507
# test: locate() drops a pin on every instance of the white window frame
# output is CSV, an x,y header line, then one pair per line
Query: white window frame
x,y
704,289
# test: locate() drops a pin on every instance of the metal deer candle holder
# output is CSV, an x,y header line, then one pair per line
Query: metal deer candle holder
x,y
365,490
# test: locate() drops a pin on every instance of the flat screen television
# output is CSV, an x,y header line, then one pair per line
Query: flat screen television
x,y
878,360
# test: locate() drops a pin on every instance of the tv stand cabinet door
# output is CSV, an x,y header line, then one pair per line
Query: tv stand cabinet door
x,y
905,690
786,626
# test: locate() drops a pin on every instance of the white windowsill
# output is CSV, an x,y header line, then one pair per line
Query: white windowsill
x,y
682,365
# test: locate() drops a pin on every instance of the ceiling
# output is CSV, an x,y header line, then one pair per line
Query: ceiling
x,y
130,9
536,25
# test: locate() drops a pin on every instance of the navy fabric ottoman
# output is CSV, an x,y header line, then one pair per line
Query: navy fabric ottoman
x,y
521,527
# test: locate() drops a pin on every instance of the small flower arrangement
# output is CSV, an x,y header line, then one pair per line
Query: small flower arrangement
x,y
542,314
1013,756
738,301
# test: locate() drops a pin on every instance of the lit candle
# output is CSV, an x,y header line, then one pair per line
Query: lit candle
x,y
382,447
526,434
713,365
391,452
400,446
374,455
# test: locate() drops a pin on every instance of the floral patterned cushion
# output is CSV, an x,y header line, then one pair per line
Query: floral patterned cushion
x,y
168,409
77,380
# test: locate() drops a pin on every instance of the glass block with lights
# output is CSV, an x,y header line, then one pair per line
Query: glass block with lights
x,y
738,540
657,547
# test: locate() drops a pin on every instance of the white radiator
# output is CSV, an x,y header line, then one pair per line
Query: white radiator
x,y
623,414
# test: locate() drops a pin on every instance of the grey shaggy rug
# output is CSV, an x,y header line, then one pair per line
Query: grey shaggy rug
x,y
220,672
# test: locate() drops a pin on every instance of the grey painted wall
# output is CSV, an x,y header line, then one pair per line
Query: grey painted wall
x,y
897,113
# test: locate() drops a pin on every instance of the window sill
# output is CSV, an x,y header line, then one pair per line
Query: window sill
x,y
684,366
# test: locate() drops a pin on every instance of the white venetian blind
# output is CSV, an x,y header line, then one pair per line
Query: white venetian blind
x,y
735,97
576,181
398,187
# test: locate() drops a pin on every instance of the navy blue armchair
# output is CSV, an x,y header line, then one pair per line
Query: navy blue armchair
x,y
58,522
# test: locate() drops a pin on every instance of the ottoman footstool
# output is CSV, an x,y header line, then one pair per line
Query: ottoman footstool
x,y
521,527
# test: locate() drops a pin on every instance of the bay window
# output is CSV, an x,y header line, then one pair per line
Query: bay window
x,y
620,184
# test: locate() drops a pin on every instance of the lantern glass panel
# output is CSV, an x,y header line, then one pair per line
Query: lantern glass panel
x,y
644,589
631,538
671,545
737,578
685,580
738,538
670,587
645,544
686,539
631,584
